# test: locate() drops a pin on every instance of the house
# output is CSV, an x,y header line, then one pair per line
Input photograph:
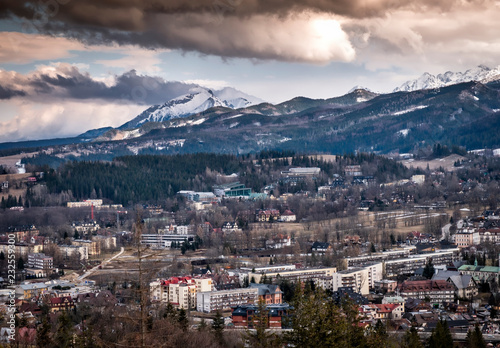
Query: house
x,y
228,227
270,294
288,216
278,242
465,285
267,215
63,303
277,316
320,247
103,298
389,311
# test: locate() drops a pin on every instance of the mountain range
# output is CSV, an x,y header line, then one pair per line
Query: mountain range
x,y
481,73
466,113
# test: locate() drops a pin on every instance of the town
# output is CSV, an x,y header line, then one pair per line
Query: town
x,y
400,248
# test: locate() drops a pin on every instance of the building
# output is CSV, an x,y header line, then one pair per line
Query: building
x,y
270,294
28,291
309,274
385,286
93,248
356,278
162,240
234,189
418,179
179,291
302,171
321,247
223,300
86,203
63,303
198,196
409,264
278,242
436,291
465,285
467,237
23,233
278,316
394,300
40,261
382,311
267,215
288,216
69,251
481,274
85,227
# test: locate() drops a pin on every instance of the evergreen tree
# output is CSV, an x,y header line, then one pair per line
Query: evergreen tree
x,y
64,333
218,328
203,325
20,263
441,336
428,269
183,320
260,336
2,256
76,235
475,338
43,339
411,339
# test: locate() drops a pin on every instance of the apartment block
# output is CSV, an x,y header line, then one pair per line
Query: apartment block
x,y
304,274
179,291
223,300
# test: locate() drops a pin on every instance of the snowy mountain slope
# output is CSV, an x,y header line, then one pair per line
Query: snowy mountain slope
x,y
236,99
198,100
426,81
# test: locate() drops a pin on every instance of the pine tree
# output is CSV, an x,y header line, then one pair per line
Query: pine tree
x,y
183,320
411,339
441,336
475,338
20,263
43,339
218,328
260,337
428,269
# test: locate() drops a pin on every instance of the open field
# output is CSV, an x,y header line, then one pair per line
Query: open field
x,y
446,163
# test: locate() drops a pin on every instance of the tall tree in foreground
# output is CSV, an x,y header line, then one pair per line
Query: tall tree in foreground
x,y
260,337
411,339
441,336
475,338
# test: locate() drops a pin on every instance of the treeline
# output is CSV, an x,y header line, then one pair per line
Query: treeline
x,y
153,178
133,179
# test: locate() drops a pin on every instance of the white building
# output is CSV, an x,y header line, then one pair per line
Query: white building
x,y
223,300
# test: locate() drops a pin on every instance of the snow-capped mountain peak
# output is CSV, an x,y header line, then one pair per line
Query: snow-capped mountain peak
x,y
480,73
197,100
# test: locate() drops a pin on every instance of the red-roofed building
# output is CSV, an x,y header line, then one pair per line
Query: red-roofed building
x,y
436,291
382,311
179,291
61,303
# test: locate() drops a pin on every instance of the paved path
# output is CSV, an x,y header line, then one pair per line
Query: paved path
x,y
92,270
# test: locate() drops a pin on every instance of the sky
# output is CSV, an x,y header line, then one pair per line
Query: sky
x,y
67,66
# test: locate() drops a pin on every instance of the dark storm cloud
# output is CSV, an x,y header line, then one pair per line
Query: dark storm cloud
x,y
65,81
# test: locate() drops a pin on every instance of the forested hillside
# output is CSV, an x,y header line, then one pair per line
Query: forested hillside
x,y
152,178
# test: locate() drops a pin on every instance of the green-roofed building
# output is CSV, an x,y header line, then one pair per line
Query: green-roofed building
x,y
481,273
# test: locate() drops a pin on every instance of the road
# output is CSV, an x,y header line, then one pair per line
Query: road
x,y
92,270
